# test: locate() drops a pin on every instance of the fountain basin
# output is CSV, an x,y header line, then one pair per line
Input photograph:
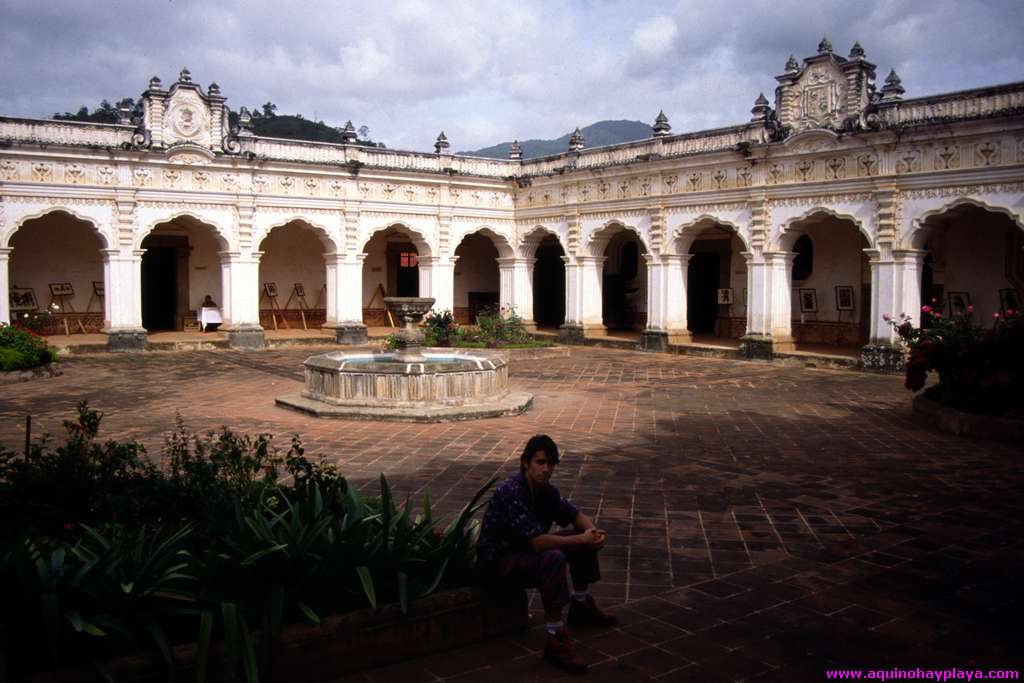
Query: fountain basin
x,y
440,385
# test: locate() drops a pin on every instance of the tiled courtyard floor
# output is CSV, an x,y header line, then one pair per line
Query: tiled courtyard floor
x,y
764,522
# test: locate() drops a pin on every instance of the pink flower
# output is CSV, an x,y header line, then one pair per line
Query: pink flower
x,y
995,315
970,309
885,317
934,301
926,309
1009,311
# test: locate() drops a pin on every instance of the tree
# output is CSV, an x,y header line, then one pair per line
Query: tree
x,y
269,110
364,133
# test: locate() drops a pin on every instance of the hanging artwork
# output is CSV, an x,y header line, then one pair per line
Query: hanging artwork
x,y
958,303
725,297
1009,300
844,298
23,299
808,300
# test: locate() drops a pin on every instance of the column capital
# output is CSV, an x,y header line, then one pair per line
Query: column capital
x,y
682,259
5,251
341,257
514,261
776,256
596,260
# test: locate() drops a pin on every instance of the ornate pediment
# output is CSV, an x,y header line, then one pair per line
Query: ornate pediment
x,y
184,114
818,98
812,141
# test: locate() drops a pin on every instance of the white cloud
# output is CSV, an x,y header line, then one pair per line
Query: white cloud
x,y
655,36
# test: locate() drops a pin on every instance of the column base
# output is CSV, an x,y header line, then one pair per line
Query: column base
x,y
570,333
245,337
884,358
654,340
127,340
764,347
353,334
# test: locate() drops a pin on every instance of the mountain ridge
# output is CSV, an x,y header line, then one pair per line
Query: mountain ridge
x,y
598,134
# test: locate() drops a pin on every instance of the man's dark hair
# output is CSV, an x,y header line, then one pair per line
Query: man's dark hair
x,y
539,442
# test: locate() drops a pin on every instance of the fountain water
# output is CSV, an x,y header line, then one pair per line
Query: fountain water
x,y
413,383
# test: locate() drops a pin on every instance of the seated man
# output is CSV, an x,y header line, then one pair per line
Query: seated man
x,y
516,548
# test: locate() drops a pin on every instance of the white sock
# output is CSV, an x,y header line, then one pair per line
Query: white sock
x,y
554,627
579,597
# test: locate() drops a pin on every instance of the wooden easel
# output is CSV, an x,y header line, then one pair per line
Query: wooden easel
x,y
62,294
321,297
98,292
270,292
299,294
369,304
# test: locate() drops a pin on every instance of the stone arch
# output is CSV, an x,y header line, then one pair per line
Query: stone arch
x,y
529,242
919,230
105,239
500,241
224,237
416,236
322,232
682,237
788,232
598,239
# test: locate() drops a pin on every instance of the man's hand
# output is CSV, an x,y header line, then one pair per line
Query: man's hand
x,y
592,538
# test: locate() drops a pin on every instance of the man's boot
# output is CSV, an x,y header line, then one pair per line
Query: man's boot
x,y
560,652
583,613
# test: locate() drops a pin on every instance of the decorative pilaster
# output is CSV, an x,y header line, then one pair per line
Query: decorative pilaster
x,y
5,286
895,289
583,304
345,297
122,300
240,281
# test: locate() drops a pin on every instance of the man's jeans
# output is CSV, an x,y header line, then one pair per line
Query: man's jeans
x,y
546,571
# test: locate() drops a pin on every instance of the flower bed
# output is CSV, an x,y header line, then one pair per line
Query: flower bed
x,y
978,370
495,329
102,554
22,349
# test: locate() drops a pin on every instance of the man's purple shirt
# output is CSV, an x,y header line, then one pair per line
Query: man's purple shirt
x,y
514,516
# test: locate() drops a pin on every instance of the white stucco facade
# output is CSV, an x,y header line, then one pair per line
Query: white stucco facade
x,y
878,182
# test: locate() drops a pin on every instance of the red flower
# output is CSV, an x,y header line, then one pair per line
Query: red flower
x,y
926,309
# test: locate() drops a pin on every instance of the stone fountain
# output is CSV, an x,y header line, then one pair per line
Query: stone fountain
x,y
412,383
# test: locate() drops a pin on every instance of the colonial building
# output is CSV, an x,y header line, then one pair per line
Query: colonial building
x,y
841,203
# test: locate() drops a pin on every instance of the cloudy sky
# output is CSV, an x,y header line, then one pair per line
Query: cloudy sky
x,y
482,71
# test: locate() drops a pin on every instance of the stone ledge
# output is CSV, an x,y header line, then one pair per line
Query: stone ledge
x,y
346,643
513,403
959,423
38,372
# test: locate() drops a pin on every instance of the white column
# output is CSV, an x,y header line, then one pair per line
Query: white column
x,y
591,291
573,310
676,271
757,294
895,289
5,286
910,264
516,293
240,285
437,280
780,308
122,290
344,288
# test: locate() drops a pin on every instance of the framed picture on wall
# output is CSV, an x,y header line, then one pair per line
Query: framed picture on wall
x,y
300,291
725,297
1009,300
808,300
61,289
844,298
97,288
958,303
23,299
270,289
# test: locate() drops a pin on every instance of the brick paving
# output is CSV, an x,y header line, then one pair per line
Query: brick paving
x,y
765,522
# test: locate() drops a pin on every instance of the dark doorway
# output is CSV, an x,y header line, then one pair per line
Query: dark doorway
x,y
702,292
159,288
408,274
549,284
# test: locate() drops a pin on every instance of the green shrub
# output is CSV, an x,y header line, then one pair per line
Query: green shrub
x,y
440,328
21,349
104,554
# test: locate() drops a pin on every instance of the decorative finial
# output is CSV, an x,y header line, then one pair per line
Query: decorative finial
x,y
893,88
155,83
213,90
348,133
124,115
441,143
661,125
792,64
515,151
576,141
856,52
244,122
761,108
185,76
824,47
